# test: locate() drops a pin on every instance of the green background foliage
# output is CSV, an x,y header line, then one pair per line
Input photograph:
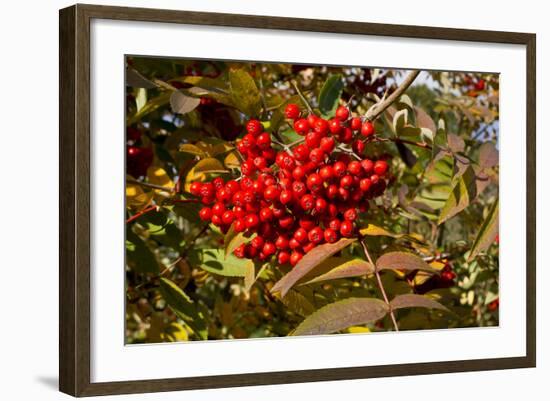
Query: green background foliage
x,y
439,213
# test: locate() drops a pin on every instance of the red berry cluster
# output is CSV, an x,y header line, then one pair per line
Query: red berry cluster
x,y
138,158
299,197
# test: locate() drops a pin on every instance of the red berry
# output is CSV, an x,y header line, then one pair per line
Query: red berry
x,y
335,126
293,243
298,189
346,228
315,235
365,184
272,193
367,129
286,222
300,235
313,139
355,123
354,168
317,155
321,126
368,166
240,225
339,169
321,205
307,202
263,141
251,221
285,197
301,126
228,216
292,111
346,182
218,183
327,143
205,214
269,249
240,251
254,127
248,168
298,173
257,242
195,188
308,247
301,152
326,173
346,135
295,257
266,214
306,223
314,182
480,85
218,209
380,167
281,242
217,220
334,224
342,113
332,191
311,120
283,257
330,235
358,146
350,214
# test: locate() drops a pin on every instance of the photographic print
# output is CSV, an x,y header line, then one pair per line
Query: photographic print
x,y
276,199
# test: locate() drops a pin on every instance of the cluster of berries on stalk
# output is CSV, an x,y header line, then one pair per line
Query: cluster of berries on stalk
x,y
308,193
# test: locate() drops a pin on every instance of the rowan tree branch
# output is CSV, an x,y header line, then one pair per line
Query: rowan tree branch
x,y
380,285
378,109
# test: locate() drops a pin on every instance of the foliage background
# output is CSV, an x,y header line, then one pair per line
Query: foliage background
x,y
172,102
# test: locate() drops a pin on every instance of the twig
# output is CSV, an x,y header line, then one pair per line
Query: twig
x,y
304,100
380,285
141,213
374,112
147,185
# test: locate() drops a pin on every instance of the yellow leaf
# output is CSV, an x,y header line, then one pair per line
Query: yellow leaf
x,y
209,165
358,329
232,160
158,176
193,149
136,198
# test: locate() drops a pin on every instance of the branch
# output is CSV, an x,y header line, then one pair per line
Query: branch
x,y
374,112
304,100
141,213
380,285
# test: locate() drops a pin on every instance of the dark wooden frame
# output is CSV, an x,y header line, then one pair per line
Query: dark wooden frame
x,y
74,203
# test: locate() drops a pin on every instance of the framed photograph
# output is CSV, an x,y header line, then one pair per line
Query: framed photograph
x,y
249,200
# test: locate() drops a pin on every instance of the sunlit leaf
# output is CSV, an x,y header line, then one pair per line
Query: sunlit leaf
x,y
487,232
214,261
337,268
308,263
402,261
232,161
192,149
141,99
414,301
183,307
244,92
464,191
298,303
136,198
341,315
209,165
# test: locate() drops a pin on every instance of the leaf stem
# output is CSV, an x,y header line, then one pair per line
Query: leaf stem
x,y
380,285
380,107
304,100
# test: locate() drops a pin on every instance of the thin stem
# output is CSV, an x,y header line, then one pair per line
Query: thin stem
x,y
380,285
304,100
147,185
141,213
374,112
399,140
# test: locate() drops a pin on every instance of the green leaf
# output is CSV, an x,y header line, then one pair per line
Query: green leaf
x,y
138,255
150,106
341,315
183,104
415,300
214,261
487,232
402,261
336,268
244,92
232,240
183,307
192,149
310,261
298,303
464,191
330,95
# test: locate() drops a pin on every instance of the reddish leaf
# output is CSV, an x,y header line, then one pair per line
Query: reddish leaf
x,y
415,300
402,261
